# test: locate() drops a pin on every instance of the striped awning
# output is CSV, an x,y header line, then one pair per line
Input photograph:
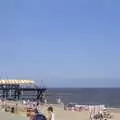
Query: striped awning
x,y
17,82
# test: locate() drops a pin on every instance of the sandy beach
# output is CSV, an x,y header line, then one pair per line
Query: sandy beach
x,y
60,114
9,116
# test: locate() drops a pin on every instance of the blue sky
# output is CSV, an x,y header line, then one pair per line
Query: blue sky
x,y
61,41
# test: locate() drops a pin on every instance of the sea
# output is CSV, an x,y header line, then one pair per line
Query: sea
x,y
110,97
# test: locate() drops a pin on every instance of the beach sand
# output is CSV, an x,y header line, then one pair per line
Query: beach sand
x,y
60,114
9,116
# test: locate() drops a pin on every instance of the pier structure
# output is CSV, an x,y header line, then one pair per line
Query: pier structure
x,y
16,88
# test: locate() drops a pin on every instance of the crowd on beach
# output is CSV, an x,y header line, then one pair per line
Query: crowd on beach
x,y
33,110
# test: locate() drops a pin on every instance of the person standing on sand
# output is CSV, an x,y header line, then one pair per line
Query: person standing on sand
x,y
50,113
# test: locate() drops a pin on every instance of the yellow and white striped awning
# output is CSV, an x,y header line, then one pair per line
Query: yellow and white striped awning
x,y
17,82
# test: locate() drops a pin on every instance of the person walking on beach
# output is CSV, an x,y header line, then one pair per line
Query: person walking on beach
x,y
50,113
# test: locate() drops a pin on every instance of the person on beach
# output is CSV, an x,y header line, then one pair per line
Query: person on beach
x,y
37,116
50,113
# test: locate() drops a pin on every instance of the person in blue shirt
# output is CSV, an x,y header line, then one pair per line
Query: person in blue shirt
x,y
37,116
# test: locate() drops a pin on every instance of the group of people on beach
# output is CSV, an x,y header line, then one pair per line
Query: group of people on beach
x,y
33,109
35,115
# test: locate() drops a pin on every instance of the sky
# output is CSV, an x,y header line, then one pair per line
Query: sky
x,y
65,43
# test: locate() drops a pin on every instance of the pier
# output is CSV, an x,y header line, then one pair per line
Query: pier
x,y
15,89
